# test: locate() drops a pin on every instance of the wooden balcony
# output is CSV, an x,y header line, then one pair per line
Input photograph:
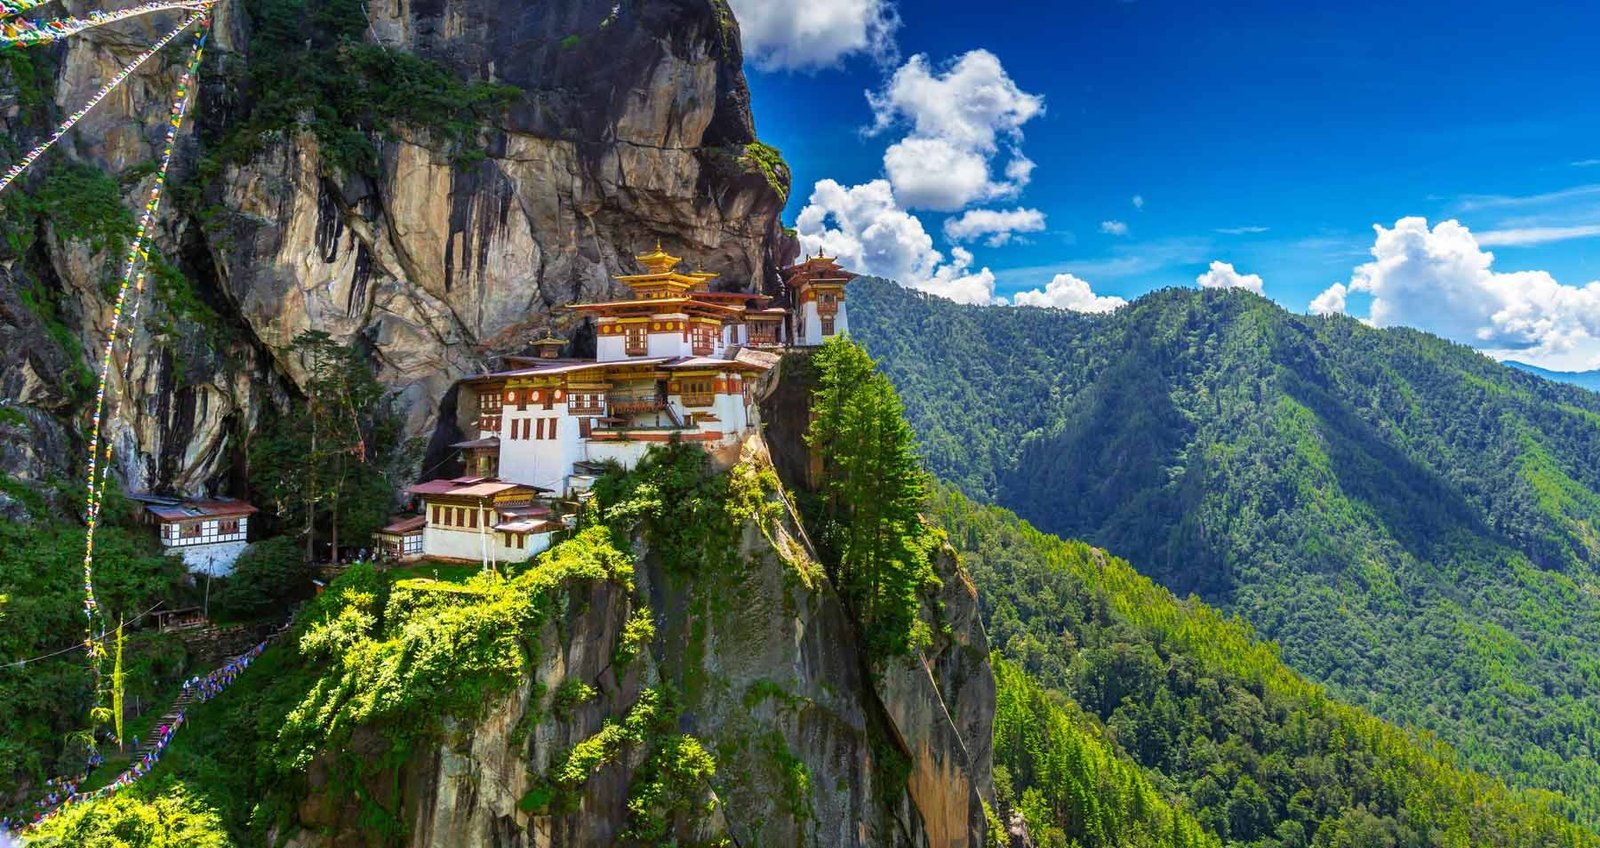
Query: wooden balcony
x,y
636,406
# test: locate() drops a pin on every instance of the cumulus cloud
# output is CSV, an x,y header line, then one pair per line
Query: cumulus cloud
x,y
1330,301
998,224
1114,228
1441,280
1138,201
932,173
1222,275
785,35
866,228
958,119
1068,292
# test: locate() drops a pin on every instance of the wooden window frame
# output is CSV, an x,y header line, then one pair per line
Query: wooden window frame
x,y
635,340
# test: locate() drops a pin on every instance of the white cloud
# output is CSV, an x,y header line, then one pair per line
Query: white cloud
x,y
1114,228
932,173
870,233
1020,169
1500,201
1242,231
1441,280
1068,292
958,118
1222,275
1331,301
787,35
1518,236
1138,201
998,224
1586,163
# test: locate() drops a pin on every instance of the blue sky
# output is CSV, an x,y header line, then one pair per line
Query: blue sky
x,y
1268,135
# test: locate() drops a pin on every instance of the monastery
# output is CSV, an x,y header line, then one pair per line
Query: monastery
x,y
675,362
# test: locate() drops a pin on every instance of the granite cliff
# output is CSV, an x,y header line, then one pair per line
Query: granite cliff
x,y
613,126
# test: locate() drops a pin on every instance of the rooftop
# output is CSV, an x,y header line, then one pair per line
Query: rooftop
x,y
469,487
184,510
402,525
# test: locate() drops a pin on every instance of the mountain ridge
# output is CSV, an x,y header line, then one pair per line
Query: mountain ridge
x,y
1412,521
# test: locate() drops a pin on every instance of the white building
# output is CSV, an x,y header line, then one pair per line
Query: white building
x,y
817,289
472,519
673,364
209,535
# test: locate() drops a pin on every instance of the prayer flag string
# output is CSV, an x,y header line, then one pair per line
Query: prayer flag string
x,y
66,126
25,33
133,277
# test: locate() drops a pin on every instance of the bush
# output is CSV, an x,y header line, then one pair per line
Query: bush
x,y
268,577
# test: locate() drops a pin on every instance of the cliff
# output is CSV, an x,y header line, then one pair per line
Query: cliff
x,y
603,128
723,701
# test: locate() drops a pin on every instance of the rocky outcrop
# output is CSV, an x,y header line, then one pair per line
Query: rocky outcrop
x,y
631,128
811,748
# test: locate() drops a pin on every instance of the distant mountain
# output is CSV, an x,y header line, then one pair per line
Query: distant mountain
x,y
1250,750
1415,524
1586,379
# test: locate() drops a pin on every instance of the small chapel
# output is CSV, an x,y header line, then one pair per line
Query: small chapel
x,y
674,362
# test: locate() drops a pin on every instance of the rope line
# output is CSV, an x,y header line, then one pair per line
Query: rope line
x,y
9,8
25,33
76,646
66,126
133,277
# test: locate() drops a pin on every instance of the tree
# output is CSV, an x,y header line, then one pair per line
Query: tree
x,y
267,576
873,490
329,461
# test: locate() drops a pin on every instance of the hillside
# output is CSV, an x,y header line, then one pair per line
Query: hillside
x,y
1412,522
1102,665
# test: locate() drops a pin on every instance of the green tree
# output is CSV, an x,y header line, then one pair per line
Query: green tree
x,y
330,462
266,577
873,491
129,820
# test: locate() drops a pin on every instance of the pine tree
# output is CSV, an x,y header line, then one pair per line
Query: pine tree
x,y
873,492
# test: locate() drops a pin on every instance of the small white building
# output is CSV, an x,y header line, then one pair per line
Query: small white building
x,y
481,520
401,539
816,287
209,534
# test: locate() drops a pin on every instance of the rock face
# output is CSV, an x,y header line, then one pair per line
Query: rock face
x,y
631,128
811,748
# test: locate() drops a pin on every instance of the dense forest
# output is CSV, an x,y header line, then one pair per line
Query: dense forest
x,y
1412,522
1100,668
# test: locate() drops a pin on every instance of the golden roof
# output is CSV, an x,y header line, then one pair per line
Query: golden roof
x,y
658,261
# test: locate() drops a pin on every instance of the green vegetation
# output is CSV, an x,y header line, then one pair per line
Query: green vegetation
x,y
869,526
330,463
82,203
44,706
1054,764
311,69
269,576
134,820
766,159
1226,734
1414,524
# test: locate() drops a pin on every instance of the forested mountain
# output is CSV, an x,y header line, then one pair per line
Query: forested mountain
x,y
1583,379
1102,666
1415,524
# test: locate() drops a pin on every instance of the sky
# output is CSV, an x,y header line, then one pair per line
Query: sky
x,y
1422,164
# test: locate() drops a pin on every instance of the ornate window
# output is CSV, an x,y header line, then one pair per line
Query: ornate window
x,y
704,340
827,325
699,392
635,340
